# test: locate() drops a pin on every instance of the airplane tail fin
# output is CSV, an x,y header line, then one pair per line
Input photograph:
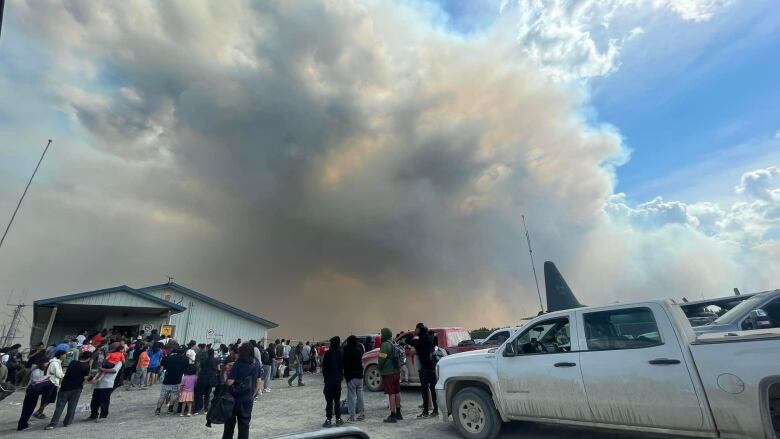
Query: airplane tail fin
x,y
559,295
736,292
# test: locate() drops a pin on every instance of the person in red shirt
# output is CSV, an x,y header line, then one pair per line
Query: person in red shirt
x,y
97,340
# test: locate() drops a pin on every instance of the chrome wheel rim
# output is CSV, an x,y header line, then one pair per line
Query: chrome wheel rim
x,y
471,416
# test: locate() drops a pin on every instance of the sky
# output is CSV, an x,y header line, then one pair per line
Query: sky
x,y
340,166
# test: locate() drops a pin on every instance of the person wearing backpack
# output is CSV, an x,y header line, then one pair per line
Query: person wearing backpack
x,y
390,368
241,383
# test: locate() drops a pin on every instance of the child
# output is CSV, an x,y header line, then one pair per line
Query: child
x,y
187,394
111,360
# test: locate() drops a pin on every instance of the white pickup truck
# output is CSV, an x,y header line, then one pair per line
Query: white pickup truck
x,y
637,367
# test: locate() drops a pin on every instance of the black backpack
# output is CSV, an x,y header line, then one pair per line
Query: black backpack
x,y
221,409
264,357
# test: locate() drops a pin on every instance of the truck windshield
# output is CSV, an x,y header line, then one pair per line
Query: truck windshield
x,y
740,310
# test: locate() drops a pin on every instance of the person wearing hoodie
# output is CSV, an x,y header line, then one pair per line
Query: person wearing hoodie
x,y
333,373
353,374
391,376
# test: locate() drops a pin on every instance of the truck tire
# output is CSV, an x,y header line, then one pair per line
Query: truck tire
x,y
475,415
372,378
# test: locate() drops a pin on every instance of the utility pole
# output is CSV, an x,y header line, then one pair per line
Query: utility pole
x,y
533,267
16,320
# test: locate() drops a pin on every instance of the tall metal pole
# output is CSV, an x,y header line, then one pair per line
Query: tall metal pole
x,y
533,267
24,193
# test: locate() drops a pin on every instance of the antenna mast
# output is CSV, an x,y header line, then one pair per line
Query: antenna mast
x,y
19,204
533,267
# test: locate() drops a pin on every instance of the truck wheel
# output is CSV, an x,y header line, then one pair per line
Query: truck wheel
x,y
474,414
372,378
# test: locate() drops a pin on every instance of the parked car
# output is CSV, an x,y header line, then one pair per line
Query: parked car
x,y
498,337
760,311
451,339
637,367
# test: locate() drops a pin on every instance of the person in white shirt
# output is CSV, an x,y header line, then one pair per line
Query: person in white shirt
x,y
80,338
286,358
306,355
191,351
101,394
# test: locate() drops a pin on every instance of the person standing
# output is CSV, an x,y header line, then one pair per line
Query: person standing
x,y
391,375
278,356
70,390
155,358
191,351
208,378
101,393
142,366
305,354
353,375
297,365
40,385
267,357
174,366
423,345
286,358
333,373
241,381
55,373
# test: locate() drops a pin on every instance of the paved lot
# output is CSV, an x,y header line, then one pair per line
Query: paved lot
x,y
284,410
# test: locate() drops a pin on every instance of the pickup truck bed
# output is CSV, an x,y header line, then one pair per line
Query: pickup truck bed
x,y
636,367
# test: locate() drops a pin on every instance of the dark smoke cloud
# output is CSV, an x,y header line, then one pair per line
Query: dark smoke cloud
x,y
331,166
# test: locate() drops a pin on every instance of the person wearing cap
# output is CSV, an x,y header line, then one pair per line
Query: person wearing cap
x,y
71,386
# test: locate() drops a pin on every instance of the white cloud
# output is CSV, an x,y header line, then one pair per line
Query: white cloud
x,y
584,39
745,222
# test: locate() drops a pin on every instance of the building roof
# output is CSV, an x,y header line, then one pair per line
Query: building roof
x,y
200,296
122,288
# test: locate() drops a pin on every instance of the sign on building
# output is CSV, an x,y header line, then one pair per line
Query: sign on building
x,y
168,330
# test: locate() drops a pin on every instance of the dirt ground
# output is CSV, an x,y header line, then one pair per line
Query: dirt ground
x,y
285,410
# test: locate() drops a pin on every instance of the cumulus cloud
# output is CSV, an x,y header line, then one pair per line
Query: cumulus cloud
x,y
312,163
745,222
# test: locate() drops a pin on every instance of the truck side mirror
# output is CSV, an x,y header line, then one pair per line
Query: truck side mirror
x,y
509,350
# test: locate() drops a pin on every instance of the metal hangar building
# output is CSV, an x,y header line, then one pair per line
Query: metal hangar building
x,y
190,315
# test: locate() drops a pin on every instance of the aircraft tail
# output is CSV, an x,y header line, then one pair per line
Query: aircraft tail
x,y
559,295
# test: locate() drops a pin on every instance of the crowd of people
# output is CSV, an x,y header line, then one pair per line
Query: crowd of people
x,y
191,376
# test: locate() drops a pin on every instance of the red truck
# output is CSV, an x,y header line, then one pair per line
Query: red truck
x,y
452,339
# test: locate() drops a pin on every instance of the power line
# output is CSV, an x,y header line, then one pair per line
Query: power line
x,y
19,204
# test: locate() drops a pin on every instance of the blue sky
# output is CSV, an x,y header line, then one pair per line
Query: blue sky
x,y
674,118
695,96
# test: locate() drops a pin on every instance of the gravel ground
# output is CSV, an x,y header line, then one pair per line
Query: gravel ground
x,y
284,410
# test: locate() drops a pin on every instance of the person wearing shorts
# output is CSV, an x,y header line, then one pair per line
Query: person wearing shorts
x,y
391,376
174,365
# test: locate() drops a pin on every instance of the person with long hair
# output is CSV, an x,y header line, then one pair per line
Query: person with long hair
x,y
40,386
241,381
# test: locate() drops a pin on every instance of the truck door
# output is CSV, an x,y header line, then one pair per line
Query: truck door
x,y
634,370
539,373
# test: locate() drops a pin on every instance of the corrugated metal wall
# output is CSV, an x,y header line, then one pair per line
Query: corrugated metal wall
x,y
199,317
117,298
